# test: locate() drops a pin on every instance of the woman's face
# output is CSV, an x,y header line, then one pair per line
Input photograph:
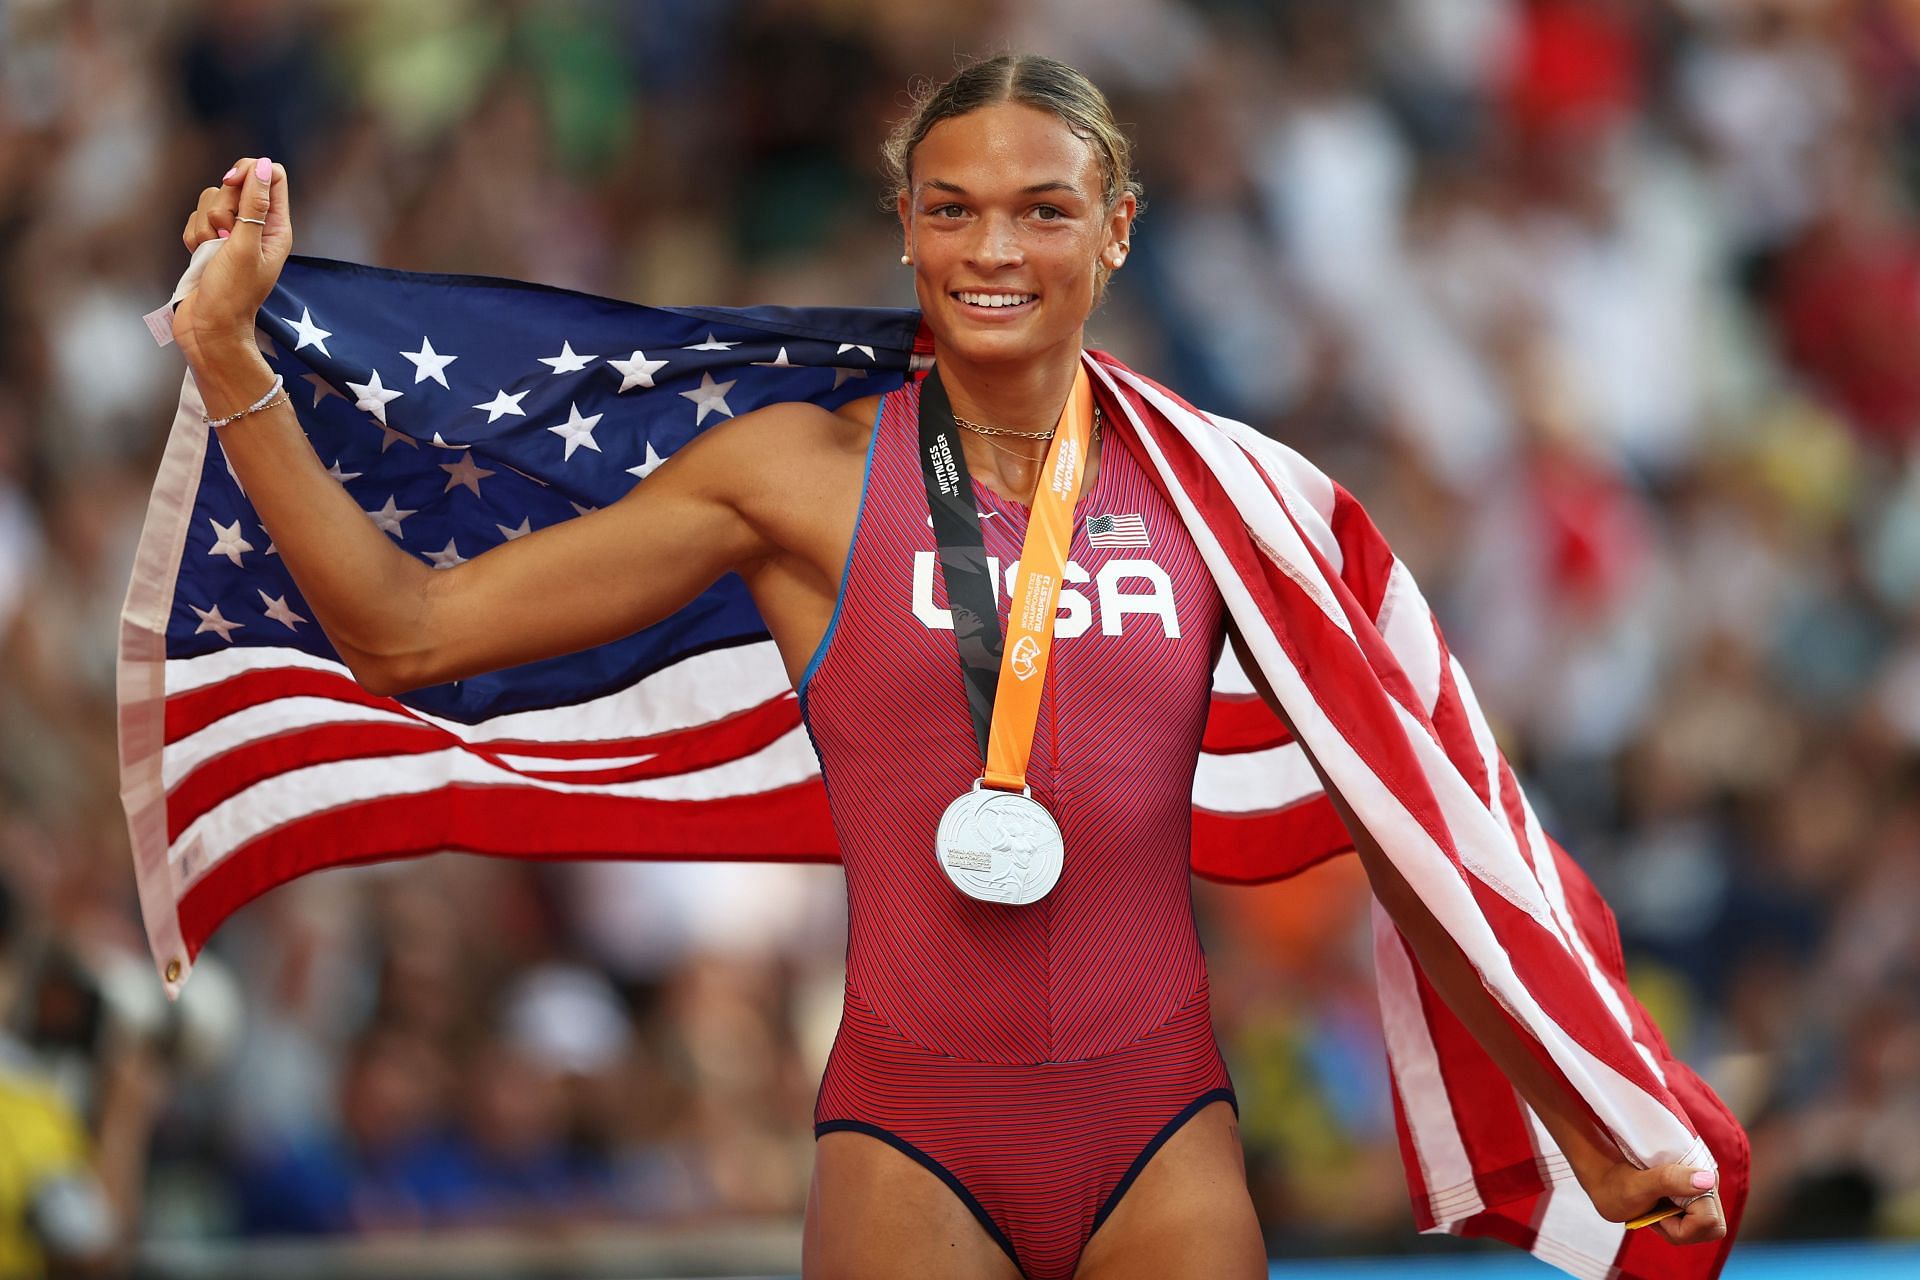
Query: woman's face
x,y
1006,226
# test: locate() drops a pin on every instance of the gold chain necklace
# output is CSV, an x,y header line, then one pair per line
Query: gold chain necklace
x,y
1091,437
970,425
965,424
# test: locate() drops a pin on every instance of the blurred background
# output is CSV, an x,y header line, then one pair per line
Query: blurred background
x,y
1609,310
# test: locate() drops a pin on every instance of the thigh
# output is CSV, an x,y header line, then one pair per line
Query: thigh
x,y
1187,1216
875,1213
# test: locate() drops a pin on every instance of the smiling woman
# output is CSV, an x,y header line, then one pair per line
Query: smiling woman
x,y
1026,1080
1012,1100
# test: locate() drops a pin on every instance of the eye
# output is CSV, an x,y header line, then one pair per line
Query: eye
x,y
947,210
1048,213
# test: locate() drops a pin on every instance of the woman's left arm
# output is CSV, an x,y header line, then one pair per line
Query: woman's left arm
x,y
1620,1190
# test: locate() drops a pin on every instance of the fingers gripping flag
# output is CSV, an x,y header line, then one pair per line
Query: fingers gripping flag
x,y
464,412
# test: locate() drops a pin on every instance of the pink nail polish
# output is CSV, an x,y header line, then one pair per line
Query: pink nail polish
x,y
1702,1179
224,234
263,168
228,176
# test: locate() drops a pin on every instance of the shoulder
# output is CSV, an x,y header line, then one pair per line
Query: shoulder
x,y
792,473
781,468
772,446
781,437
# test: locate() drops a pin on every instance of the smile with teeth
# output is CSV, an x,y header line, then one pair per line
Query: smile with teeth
x,y
973,299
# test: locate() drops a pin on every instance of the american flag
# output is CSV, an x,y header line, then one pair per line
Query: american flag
x,y
462,412
1117,531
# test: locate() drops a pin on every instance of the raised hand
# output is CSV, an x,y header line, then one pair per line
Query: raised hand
x,y
222,307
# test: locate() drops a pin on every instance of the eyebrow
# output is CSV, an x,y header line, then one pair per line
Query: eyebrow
x,y
954,188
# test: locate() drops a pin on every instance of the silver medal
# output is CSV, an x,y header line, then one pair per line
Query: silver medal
x,y
1000,846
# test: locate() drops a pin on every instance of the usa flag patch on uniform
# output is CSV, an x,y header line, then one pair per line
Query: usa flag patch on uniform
x,y
1129,530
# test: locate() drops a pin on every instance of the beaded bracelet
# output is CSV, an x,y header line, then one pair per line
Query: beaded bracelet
x,y
267,401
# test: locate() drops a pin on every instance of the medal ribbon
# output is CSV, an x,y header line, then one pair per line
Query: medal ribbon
x,y
1006,708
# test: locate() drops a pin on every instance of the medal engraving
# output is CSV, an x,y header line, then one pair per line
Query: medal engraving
x,y
1000,846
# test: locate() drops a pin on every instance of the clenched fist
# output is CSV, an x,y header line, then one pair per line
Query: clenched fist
x,y
1623,1192
241,275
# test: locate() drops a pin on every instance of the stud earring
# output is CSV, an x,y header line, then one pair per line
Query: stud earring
x,y
906,259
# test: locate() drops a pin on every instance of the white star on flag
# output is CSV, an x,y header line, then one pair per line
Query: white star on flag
x,y
447,557
567,361
645,469
308,333
525,528
321,388
210,620
503,404
374,398
637,371
229,543
464,472
390,516
428,363
280,611
710,396
448,444
778,362
854,346
342,476
577,431
711,345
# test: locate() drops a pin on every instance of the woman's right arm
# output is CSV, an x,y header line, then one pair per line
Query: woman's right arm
x,y
399,624
363,589
395,622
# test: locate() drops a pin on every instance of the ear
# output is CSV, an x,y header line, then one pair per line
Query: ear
x,y
1119,237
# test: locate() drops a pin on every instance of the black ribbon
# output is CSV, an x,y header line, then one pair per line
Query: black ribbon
x,y
971,594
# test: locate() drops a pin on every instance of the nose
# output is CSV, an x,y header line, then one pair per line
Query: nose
x,y
996,244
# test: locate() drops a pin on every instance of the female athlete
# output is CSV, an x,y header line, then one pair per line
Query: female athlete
x,y
1017,1089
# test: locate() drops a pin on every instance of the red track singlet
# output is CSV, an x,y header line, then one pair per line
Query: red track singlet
x,y
1033,1057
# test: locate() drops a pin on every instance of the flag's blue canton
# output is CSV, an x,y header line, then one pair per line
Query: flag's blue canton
x,y
489,480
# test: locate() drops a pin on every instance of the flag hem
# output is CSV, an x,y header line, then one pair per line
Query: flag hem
x,y
140,682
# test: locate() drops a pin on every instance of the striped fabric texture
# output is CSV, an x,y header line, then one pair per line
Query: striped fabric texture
x,y
1041,1152
1032,1056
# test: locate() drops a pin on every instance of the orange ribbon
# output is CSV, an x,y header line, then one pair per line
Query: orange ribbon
x,y
1036,593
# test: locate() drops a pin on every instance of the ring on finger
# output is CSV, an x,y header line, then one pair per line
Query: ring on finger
x,y
260,221
1688,1203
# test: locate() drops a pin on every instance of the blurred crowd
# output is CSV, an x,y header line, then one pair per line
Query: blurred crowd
x,y
1608,309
